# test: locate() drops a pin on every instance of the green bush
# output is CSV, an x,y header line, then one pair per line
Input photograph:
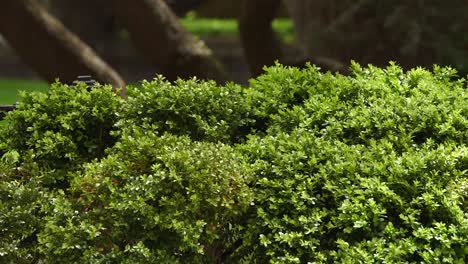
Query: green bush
x,y
155,198
64,125
201,110
22,196
301,166
368,168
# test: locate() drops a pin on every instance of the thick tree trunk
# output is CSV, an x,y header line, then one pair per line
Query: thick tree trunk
x,y
92,20
49,47
412,33
158,34
181,7
261,45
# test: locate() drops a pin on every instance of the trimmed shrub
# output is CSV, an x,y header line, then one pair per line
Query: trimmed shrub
x,y
199,109
22,196
155,198
322,200
369,168
64,126
302,166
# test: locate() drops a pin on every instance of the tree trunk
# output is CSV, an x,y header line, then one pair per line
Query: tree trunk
x,y
181,7
49,47
412,33
261,45
158,34
92,20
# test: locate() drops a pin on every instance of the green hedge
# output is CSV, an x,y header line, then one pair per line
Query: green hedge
x,y
300,166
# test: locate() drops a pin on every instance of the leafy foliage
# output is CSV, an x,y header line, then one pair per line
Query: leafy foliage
x,y
301,166
63,126
201,110
153,198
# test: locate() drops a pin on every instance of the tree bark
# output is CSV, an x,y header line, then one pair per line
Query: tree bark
x,y
49,47
181,7
157,33
261,45
412,33
92,20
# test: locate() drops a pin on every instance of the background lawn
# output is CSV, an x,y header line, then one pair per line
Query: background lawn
x,y
9,89
205,27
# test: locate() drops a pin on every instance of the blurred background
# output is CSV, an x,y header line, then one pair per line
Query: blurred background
x,y
125,41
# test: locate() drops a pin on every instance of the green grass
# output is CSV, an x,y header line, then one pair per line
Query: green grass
x,y
229,27
10,88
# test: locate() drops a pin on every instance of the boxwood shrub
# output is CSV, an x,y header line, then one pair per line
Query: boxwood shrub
x,y
154,199
199,109
367,168
301,166
63,126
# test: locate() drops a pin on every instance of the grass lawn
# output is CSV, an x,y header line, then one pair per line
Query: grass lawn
x,y
9,89
229,27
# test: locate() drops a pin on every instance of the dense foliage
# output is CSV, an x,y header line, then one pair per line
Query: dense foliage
x,y
301,166
67,125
